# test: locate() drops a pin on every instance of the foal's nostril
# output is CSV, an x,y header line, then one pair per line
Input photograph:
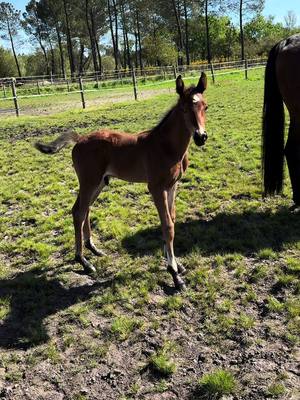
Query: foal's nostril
x,y
200,139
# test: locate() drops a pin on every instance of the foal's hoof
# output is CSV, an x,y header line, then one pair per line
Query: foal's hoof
x,y
178,281
181,269
88,267
90,246
179,284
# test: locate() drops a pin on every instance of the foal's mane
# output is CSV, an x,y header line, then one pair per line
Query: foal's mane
x,y
163,121
188,92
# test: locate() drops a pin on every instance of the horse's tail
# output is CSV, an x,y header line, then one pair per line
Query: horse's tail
x,y
57,144
273,128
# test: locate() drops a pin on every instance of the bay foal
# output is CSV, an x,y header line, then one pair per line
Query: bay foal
x,y
157,157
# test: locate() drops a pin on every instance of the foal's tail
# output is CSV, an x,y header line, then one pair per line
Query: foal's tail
x,y
273,128
57,144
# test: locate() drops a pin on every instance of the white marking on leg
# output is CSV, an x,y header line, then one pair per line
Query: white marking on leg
x,y
172,260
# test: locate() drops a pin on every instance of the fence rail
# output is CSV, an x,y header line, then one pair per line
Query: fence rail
x,y
129,77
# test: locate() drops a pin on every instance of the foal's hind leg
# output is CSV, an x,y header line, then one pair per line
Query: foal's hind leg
x,y
292,153
87,226
160,198
80,213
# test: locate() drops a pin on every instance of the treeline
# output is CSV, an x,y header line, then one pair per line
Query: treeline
x,y
73,36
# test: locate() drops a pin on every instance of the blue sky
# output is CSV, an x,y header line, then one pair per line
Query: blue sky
x,y
277,8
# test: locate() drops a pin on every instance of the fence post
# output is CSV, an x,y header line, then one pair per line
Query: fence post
x,y
212,72
246,69
38,87
134,84
174,71
81,92
68,86
14,93
97,81
4,89
51,78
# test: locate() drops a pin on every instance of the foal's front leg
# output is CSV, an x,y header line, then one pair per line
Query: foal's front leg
x,y
171,201
160,198
172,211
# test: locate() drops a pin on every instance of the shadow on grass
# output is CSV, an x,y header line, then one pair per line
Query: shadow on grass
x,y
226,233
33,298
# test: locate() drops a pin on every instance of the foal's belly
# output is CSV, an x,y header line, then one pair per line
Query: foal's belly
x,y
130,171
133,176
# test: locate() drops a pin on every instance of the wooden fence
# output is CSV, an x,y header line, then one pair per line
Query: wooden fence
x,y
120,77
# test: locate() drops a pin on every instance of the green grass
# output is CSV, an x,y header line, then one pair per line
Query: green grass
x,y
162,362
276,390
4,307
217,384
240,251
123,326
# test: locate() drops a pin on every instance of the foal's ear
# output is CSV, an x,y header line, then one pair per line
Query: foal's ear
x,y
179,85
202,84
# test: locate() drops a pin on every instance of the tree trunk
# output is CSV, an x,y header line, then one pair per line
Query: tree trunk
x,y
126,48
136,49
96,40
41,41
187,47
13,49
53,69
92,41
116,29
69,40
61,53
180,45
112,35
81,58
207,33
242,31
139,39
45,55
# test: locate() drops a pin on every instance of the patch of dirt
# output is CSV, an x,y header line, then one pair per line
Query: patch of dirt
x,y
110,98
255,357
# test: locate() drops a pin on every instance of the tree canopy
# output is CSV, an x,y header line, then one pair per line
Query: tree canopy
x,y
72,36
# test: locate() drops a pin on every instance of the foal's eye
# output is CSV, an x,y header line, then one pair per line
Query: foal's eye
x,y
206,107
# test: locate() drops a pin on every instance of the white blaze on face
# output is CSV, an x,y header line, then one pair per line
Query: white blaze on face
x,y
197,99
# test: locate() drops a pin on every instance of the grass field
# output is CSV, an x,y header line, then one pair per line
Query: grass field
x,y
126,334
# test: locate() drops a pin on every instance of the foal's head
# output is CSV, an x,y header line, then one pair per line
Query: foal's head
x,y
193,105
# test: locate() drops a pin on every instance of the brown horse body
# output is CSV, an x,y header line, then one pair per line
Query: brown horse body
x,y
282,84
157,157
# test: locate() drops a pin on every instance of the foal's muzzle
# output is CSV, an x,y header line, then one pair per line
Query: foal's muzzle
x,y
200,138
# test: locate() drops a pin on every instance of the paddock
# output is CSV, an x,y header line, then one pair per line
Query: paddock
x,y
126,334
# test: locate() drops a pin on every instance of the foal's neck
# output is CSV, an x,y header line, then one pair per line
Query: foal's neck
x,y
175,132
